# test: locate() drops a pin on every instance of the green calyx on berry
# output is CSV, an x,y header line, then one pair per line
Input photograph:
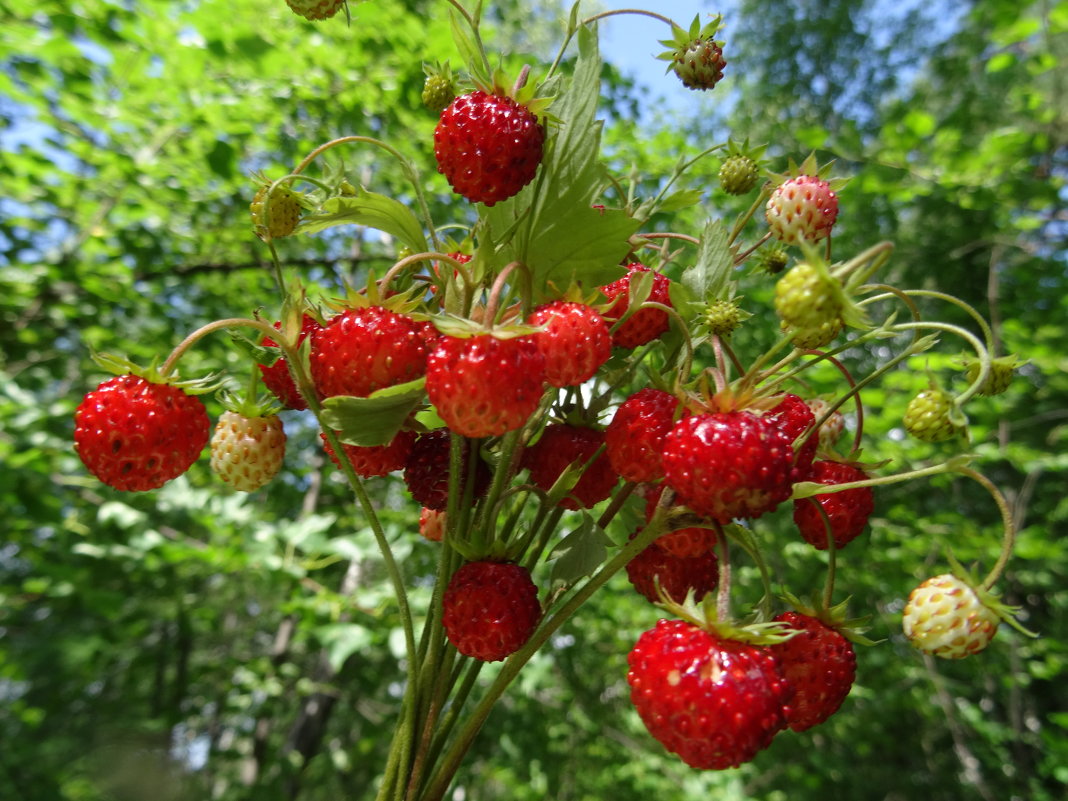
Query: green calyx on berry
x,y
835,617
120,365
439,88
999,377
696,56
703,614
741,168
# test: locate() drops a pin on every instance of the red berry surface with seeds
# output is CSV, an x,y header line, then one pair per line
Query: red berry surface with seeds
x,y
490,609
136,435
277,378
487,146
635,437
676,575
562,445
802,209
847,511
484,386
247,452
820,665
426,473
366,349
682,542
575,341
794,418
715,702
375,460
945,617
644,325
728,464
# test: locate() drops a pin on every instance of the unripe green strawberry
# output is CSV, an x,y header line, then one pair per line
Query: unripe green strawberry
x,y
773,259
998,379
738,175
946,617
805,297
247,452
281,218
724,316
927,416
315,9
810,338
438,92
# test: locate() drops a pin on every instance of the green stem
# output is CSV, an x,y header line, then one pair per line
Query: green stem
x,y
765,192
973,340
203,331
1008,541
807,489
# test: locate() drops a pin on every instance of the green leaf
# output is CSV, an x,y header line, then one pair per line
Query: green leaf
x,y
578,554
221,159
342,640
711,278
371,209
682,199
376,419
468,47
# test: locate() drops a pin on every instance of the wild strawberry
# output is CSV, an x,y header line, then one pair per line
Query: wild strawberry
x,y
488,146
927,417
575,341
676,575
831,429
366,349
247,452
685,542
490,609
635,437
802,209
644,325
728,464
696,57
723,317
375,460
315,9
818,336
716,702
806,297
561,445
438,89
738,174
426,472
277,378
820,664
794,418
278,218
483,386
946,617
847,511
135,435
432,524
998,379
773,259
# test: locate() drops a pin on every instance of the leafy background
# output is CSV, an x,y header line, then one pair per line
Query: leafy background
x,y
196,643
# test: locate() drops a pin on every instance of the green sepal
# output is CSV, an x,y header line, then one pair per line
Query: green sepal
x,y
120,365
834,617
376,419
988,598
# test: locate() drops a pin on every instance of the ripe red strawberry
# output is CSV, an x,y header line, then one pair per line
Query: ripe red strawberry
x,y
483,385
820,665
366,349
802,209
728,464
427,471
848,510
677,575
794,418
575,341
682,542
247,452
490,609
432,524
376,460
635,437
277,378
561,445
488,146
716,702
644,325
135,435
